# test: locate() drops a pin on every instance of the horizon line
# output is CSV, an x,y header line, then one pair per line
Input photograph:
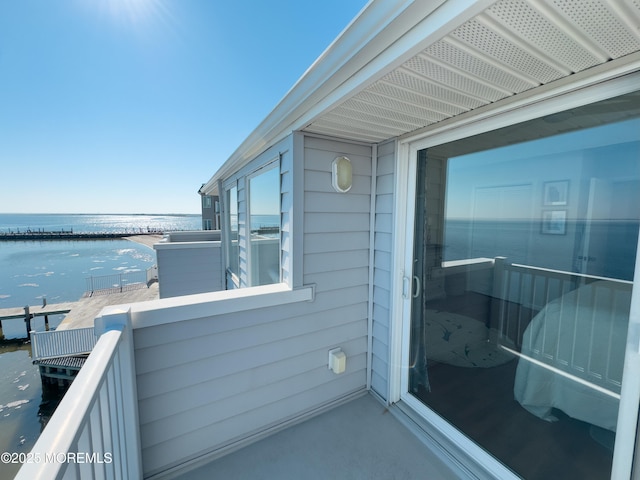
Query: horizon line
x,y
97,213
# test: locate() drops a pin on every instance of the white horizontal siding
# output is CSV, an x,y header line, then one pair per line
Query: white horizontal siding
x,y
351,277
228,361
324,242
286,213
335,262
256,412
336,230
382,267
331,202
243,232
336,222
206,383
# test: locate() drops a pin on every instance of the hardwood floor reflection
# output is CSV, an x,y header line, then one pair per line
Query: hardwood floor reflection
x,y
480,402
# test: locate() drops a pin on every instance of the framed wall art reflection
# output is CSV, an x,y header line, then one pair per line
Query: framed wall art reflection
x,y
554,222
556,193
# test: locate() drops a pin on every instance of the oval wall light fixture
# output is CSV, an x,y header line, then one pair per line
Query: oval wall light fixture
x,y
341,174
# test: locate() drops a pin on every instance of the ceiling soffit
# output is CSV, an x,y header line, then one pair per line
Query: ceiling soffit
x,y
512,47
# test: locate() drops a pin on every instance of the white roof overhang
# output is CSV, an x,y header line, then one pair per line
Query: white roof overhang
x,y
402,67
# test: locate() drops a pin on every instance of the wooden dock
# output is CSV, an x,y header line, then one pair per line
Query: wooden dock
x,y
82,313
36,310
28,312
60,370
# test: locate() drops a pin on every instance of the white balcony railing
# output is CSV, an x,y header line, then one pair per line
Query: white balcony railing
x,y
60,343
94,432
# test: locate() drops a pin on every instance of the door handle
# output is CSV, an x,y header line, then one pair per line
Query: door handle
x,y
416,283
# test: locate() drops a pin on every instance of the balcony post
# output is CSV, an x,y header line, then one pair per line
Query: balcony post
x,y
119,318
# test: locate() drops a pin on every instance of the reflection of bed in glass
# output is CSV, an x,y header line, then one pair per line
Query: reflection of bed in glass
x,y
572,351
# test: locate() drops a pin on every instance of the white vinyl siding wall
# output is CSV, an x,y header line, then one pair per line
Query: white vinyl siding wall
x,y
382,267
206,383
243,234
336,239
286,214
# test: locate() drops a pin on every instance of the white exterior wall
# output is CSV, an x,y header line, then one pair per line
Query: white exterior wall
x,y
208,382
188,268
243,234
287,173
336,225
384,202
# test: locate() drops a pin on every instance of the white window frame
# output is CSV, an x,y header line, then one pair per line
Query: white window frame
x,y
264,168
226,218
573,92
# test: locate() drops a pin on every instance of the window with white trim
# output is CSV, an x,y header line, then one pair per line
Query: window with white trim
x,y
264,225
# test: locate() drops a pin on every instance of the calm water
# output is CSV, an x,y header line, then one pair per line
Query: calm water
x,y
57,271
613,244
98,223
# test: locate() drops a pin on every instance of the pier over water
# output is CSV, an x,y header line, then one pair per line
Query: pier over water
x,y
71,235
81,313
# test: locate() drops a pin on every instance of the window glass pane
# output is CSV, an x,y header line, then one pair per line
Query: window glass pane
x,y
264,207
232,221
525,244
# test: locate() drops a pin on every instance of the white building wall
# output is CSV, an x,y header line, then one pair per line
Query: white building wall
x,y
384,202
185,268
286,211
206,383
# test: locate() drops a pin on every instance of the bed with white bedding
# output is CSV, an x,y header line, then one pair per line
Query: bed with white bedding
x,y
573,352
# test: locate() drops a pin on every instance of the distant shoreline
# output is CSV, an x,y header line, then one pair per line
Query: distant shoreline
x,y
148,240
110,214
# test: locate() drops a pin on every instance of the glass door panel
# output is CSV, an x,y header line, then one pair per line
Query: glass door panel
x,y
524,253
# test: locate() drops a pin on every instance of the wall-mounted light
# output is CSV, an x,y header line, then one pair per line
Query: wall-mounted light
x,y
341,174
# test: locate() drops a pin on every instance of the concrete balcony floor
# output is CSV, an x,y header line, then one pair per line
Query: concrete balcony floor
x,y
357,440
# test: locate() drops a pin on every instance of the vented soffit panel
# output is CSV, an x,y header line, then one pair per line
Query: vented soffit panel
x,y
512,47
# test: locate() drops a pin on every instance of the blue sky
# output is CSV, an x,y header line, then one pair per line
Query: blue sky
x,y
128,106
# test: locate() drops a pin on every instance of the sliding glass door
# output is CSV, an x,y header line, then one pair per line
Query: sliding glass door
x,y
524,254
